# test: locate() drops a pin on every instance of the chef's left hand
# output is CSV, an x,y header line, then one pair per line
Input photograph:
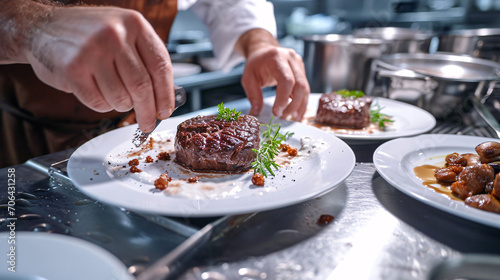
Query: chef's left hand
x,y
268,64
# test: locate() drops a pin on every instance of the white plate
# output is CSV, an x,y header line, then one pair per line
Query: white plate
x,y
50,256
395,160
185,69
95,170
409,120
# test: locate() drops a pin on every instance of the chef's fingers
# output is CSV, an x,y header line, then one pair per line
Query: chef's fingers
x,y
302,109
155,56
112,87
285,80
253,92
87,92
138,83
300,92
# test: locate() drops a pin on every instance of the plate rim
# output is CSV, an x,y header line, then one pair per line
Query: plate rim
x,y
348,165
382,155
114,263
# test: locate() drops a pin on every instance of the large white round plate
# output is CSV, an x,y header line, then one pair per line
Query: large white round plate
x,y
51,256
396,159
409,120
96,169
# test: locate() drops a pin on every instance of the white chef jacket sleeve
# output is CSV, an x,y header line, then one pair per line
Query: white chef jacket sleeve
x,y
227,20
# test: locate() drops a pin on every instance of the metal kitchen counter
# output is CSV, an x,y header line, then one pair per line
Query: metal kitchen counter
x,y
377,231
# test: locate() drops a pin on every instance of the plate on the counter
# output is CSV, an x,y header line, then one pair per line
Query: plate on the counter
x,y
51,256
409,120
99,169
396,159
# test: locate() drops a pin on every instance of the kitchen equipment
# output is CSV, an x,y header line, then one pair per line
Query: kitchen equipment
x,y
481,43
468,266
180,98
398,39
441,83
185,69
335,61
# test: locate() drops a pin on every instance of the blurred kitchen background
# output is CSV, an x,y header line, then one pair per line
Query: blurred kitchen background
x,y
191,50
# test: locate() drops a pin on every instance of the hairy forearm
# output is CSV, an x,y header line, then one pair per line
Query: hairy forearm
x,y
252,40
19,22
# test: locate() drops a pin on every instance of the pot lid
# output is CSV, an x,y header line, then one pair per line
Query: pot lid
x,y
392,33
341,39
444,66
475,32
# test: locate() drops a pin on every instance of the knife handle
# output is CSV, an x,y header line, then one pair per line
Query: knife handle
x,y
180,96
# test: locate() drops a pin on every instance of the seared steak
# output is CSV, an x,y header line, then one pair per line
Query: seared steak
x,y
336,110
205,144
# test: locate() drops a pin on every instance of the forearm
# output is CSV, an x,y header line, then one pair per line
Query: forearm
x,y
19,22
253,40
227,20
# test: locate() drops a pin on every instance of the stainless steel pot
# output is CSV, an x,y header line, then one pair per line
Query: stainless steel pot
x,y
481,43
398,39
334,61
440,83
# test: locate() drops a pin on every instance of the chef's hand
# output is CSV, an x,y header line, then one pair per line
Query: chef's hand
x,y
268,64
109,58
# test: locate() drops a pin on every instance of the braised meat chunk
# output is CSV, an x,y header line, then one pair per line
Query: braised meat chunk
x,y
206,144
485,202
495,186
448,174
475,178
455,163
488,151
472,180
349,112
462,159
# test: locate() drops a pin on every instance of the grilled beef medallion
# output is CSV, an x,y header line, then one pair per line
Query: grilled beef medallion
x,y
206,144
349,112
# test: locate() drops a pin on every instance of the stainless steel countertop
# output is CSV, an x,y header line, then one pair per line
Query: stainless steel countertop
x,y
377,232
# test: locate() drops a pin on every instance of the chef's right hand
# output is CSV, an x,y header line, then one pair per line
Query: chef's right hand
x,y
109,58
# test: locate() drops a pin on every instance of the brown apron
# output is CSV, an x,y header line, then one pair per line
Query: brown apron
x,y
37,119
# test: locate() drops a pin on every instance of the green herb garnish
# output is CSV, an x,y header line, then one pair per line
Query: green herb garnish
x,y
227,114
377,117
269,149
350,93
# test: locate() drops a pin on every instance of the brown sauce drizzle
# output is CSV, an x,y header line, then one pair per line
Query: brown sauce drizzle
x,y
426,174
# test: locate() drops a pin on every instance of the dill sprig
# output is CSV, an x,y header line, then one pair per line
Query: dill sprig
x,y
226,113
377,117
269,149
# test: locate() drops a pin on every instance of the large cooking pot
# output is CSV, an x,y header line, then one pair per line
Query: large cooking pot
x,y
441,83
335,61
399,39
481,43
